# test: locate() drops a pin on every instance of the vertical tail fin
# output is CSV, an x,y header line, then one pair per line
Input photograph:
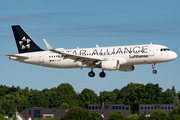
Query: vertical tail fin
x,y
23,41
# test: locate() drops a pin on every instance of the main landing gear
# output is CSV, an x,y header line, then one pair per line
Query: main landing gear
x,y
154,71
101,74
91,74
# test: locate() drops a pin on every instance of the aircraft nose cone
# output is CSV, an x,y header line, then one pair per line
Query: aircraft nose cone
x,y
174,55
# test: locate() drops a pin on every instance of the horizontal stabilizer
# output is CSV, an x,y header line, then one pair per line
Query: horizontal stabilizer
x,y
17,56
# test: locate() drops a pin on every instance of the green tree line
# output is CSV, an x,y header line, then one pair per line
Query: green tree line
x,y
64,96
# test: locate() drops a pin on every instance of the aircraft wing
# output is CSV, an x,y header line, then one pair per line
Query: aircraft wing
x,y
17,56
76,58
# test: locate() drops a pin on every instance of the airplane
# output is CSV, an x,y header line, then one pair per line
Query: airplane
x,y
122,58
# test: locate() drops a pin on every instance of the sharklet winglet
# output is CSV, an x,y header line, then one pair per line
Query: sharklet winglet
x,y
48,46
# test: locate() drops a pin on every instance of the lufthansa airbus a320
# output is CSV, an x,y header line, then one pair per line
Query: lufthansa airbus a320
x,y
122,58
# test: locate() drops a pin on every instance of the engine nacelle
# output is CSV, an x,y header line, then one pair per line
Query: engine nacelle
x,y
126,68
110,65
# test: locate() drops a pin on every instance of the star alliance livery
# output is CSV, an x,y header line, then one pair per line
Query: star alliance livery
x,y
122,58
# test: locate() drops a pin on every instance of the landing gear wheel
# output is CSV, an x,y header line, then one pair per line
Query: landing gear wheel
x,y
102,74
154,71
91,74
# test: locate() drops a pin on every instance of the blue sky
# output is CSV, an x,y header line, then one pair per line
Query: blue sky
x,y
71,23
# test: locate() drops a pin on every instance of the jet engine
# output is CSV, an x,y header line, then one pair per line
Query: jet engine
x,y
110,65
126,68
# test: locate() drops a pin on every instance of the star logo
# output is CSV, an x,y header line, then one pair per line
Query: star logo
x,y
25,43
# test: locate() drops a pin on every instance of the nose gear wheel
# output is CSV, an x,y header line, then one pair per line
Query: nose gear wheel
x,y
154,71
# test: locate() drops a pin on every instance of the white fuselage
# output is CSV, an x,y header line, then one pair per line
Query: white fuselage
x,y
135,54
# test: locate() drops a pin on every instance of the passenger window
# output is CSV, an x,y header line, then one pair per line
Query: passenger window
x,y
89,107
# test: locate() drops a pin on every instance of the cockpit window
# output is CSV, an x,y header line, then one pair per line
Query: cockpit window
x,y
165,49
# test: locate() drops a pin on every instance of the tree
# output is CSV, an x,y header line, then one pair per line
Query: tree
x,y
52,96
24,92
133,117
3,90
135,94
64,106
132,94
66,88
25,104
174,96
159,115
95,116
109,97
12,89
175,114
9,107
77,113
37,98
8,97
178,94
2,117
2,112
67,94
143,117
116,116
87,96
64,93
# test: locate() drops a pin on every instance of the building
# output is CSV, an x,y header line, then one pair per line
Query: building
x,y
149,108
36,112
105,109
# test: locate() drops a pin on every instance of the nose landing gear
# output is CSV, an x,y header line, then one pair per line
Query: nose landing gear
x,y
154,71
